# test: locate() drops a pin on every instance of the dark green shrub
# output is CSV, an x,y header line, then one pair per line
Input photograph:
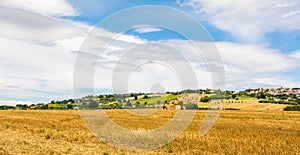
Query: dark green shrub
x,y
205,99
191,106
292,108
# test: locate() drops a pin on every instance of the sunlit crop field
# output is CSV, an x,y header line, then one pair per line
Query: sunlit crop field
x,y
235,132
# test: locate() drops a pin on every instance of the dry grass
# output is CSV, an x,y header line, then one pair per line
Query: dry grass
x,y
236,132
254,105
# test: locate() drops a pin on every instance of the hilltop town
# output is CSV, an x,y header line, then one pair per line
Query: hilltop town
x,y
275,91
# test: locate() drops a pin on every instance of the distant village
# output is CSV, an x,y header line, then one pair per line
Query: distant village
x,y
275,91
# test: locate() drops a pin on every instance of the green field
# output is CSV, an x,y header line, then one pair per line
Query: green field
x,y
155,100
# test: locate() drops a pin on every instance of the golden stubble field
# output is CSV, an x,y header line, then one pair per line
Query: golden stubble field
x,y
235,132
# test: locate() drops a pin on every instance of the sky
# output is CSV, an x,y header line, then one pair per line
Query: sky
x,y
257,41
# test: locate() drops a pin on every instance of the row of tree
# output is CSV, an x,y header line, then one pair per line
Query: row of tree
x,y
39,106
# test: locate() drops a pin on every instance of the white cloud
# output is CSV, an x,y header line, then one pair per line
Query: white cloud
x,y
35,71
146,29
296,54
255,57
57,8
248,20
250,57
37,28
130,39
142,80
30,70
253,66
275,81
13,102
38,54
34,67
246,65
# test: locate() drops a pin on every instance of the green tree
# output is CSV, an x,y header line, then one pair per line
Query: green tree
x,y
205,99
191,106
207,91
22,106
69,106
137,105
128,104
145,97
93,104
44,106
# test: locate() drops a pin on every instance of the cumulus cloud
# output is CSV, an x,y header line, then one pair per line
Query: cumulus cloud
x,y
146,29
246,65
296,54
14,102
37,54
57,8
248,20
34,70
275,81
37,71
37,28
255,57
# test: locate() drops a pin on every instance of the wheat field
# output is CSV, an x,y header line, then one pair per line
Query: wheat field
x,y
235,132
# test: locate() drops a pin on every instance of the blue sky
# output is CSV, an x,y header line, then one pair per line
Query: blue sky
x,y
96,10
258,42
